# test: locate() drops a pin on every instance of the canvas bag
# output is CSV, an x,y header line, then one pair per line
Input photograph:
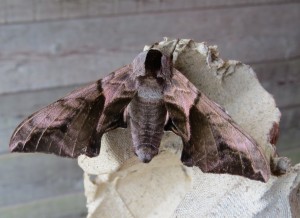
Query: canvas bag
x,y
117,184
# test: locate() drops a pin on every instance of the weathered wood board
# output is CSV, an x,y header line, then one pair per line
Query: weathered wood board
x,y
66,52
41,10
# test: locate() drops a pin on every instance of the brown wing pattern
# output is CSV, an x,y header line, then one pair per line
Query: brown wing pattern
x,y
212,140
74,124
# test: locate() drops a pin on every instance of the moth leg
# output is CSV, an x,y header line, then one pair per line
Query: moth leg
x,y
93,148
126,118
168,123
187,154
106,124
169,126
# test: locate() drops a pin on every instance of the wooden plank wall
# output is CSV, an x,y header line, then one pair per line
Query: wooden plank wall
x,y
49,47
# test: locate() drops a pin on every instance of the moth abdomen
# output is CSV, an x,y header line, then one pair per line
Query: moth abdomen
x,y
147,120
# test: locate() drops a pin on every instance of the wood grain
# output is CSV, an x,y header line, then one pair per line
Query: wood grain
x,y
27,178
282,79
77,51
40,10
66,206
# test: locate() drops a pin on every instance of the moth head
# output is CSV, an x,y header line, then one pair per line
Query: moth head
x,y
153,63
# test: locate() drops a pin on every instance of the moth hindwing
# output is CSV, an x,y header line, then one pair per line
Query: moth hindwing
x,y
155,97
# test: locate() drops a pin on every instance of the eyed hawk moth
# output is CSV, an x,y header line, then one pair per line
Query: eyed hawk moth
x,y
151,96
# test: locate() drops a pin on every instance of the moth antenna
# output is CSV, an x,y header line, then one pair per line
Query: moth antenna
x,y
171,54
152,46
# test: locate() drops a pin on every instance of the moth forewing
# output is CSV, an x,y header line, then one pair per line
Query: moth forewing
x,y
149,91
215,143
70,126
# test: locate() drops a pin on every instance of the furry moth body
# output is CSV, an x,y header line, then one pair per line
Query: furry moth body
x,y
151,96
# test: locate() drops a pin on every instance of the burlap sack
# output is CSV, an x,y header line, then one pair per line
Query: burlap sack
x,y
117,184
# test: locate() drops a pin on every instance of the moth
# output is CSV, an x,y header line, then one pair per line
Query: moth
x,y
150,96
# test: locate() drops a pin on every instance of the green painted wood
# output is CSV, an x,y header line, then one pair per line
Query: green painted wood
x,y
282,79
62,206
65,52
41,10
289,142
31,177
293,154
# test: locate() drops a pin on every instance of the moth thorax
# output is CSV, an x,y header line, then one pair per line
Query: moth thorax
x,y
149,88
153,61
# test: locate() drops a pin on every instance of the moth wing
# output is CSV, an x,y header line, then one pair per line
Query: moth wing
x,y
74,124
212,140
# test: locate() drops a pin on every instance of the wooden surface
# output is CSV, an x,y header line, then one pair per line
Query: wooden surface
x,y
49,47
